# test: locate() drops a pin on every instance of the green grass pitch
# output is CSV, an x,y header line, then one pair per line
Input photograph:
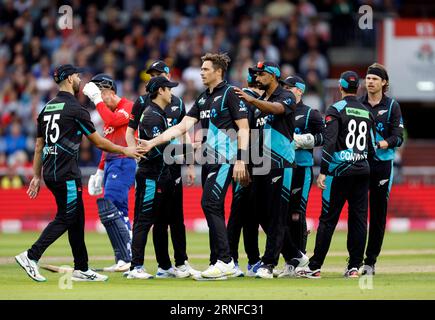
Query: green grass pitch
x,y
406,270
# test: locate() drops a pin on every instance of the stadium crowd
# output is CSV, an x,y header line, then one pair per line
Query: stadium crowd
x,y
121,38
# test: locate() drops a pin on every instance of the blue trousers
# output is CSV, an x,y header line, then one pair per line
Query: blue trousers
x,y
118,179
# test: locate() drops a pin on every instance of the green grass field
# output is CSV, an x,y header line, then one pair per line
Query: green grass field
x,y
406,270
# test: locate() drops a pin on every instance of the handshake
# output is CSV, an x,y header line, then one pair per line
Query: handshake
x,y
304,141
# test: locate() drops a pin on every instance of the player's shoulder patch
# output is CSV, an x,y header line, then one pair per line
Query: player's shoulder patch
x,y
339,105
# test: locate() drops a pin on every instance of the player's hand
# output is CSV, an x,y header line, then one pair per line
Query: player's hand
x,y
243,95
190,173
383,144
95,183
321,181
134,152
34,187
240,173
145,145
92,92
304,141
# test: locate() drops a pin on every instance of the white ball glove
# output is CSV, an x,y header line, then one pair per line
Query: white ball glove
x,y
304,141
92,92
95,184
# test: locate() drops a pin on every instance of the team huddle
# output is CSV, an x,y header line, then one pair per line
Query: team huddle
x,y
258,139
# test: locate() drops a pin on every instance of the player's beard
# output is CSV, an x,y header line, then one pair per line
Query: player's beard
x,y
76,87
262,86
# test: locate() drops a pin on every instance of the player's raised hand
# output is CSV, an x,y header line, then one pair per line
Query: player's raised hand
x,y
34,187
243,95
92,92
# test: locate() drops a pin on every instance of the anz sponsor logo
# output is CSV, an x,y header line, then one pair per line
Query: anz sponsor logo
x,y
298,131
204,114
108,131
347,155
156,131
380,127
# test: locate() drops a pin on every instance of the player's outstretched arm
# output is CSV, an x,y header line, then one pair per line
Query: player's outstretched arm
x,y
169,134
106,145
265,106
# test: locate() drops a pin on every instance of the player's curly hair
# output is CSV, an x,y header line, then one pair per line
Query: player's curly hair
x,y
219,61
382,67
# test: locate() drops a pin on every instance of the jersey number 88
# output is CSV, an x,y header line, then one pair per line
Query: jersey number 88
x,y
352,137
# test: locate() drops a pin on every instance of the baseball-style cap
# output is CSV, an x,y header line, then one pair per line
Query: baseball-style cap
x,y
104,81
251,75
65,70
158,66
349,80
160,82
269,67
294,81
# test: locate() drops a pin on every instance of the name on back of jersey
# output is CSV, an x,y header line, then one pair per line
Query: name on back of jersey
x,y
49,150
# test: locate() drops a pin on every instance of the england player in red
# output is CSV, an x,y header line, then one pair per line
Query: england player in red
x,y
115,172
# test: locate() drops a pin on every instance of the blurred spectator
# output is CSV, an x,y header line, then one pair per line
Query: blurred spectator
x,y
15,140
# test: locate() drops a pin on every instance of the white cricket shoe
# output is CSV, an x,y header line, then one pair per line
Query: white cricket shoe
x,y
139,273
265,271
238,273
30,266
288,272
302,261
220,269
186,270
120,266
252,269
89,275
164,274
277,272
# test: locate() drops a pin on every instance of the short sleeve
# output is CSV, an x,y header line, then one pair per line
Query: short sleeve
x,y
237,107
288,100
39,130
136,113
194,111
83,119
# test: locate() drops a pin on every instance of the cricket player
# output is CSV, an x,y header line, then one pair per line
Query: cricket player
x,y
221,113
272,188
61,124
242,206
389,135
154,187
115,172
344,176
309,127
175,112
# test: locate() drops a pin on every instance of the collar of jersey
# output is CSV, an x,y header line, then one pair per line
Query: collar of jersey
x,y
155,106
277,92
381,103
220,85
